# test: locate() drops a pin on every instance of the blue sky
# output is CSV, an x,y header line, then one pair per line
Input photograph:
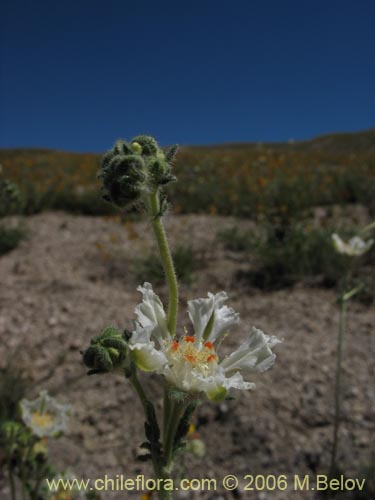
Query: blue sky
x,y
78,75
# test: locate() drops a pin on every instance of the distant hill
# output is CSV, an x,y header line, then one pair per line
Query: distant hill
x,y
336,143
231,179
343,142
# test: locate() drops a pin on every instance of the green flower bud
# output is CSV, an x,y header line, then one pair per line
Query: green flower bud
x,y
131,172
124,178
148,144
136,147
108,352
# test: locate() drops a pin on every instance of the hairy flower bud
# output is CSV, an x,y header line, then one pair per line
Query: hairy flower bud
x,y
107,352
123,177
148,144
131,172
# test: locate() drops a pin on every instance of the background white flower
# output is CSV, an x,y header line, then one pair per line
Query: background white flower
x,y
191,362
355,247
44,415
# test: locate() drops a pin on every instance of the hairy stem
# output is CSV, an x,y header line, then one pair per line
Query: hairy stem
x,y
155,455
173,412
166,258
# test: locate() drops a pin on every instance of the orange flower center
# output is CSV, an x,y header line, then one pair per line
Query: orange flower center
x,y
187,350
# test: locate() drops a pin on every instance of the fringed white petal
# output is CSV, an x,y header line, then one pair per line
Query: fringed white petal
x,y
200,312
150,313
217,386
211,318
254,356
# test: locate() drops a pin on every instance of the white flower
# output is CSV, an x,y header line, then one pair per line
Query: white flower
x,y
44,415
355,247
191,362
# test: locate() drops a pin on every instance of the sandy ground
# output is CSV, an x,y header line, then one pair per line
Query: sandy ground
x,y
73,276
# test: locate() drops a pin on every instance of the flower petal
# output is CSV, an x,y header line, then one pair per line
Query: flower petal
x,y
359,246
150,313
147,358
217,386
200,312
210,318
355,247
255,356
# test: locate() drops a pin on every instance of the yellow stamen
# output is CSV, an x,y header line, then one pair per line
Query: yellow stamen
x,y
190,358
42,419
188,350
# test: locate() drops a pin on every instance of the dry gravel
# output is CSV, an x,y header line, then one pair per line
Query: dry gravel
x,y
73,276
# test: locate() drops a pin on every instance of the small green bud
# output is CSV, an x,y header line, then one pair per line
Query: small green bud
x,y
160,155
148,144
107,352
136,147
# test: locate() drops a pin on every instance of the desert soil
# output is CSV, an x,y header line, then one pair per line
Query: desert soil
x,y
74,275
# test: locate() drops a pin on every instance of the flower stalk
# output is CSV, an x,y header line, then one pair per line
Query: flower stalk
x,y
354,248
173,412
167,261
343,303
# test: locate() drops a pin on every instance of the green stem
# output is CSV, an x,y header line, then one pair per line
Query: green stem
x,y
172,418
348,295
166,258
367,228
156,459
343,304
166,412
